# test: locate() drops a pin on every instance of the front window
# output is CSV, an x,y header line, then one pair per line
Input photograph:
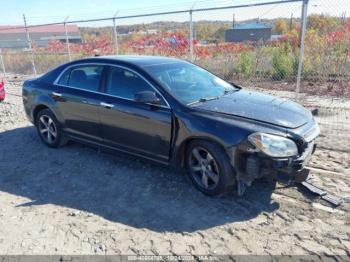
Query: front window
x,y
189,83
126,84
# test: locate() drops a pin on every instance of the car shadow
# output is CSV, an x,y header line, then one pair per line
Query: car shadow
x,y
118,188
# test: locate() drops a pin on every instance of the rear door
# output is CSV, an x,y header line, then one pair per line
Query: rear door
x,y
78,99
131,126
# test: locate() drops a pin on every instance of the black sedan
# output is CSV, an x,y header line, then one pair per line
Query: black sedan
x,y
175,113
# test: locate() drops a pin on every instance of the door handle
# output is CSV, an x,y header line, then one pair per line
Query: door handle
x,y
56,94
106,105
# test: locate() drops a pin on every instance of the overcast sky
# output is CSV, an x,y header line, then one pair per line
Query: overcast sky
x,y
47,11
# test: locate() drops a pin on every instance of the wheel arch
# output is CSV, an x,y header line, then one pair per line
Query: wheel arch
x,y
41,106
180,154
37,109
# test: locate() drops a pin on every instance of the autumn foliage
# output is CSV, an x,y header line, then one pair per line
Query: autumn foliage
x,y
326,56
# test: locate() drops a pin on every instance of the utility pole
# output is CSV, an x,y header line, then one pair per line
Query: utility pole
x,y
2,63
291,22
343,17
191,37
115,33
29,45
67,39
301,48
191,33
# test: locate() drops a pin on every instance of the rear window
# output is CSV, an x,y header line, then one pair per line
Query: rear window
x,y
52,75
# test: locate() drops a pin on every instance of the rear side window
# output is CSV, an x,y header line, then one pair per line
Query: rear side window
x,y
83,77
64,78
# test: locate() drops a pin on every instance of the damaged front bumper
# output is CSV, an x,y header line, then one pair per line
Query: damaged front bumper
x,y
250,164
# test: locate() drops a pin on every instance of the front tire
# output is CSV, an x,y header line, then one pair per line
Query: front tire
x,y
49,129
209,168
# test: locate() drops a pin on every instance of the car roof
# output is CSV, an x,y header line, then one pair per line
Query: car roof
x,y
138,60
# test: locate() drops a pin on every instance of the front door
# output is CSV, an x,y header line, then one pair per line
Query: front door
x,y
132,126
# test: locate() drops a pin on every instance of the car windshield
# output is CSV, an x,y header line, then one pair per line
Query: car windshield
x,y
189,83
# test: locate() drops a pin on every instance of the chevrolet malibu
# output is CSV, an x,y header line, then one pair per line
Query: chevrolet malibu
x,y
175,113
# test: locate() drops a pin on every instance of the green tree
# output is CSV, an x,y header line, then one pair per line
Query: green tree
x,y
322,23
220,33
245,64
282,63
204,31
280,27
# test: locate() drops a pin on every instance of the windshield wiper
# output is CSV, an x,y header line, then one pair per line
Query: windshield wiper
x,y
229,91
203,99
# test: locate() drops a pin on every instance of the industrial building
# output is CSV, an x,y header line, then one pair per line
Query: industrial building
x,y
15,37
254,31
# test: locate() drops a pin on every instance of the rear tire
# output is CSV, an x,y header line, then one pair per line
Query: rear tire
x,y
49,129
209,168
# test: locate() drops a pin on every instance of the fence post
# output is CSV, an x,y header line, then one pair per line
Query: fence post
x,y
115,33
2,63
301,48
29,44
191,37
67,39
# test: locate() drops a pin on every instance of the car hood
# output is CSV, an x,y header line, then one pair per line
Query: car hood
x,y
260,107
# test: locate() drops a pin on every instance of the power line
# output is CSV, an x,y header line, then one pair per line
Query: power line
x,y
158,8
268,11
155,8
162,13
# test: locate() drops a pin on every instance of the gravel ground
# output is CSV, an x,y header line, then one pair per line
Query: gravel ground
x,y
78,200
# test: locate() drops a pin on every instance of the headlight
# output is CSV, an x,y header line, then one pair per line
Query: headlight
x,y
272,145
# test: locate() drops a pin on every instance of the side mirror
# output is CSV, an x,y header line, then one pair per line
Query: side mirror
x,y
147,97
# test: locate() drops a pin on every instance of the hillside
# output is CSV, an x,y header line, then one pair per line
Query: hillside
x,y
203,30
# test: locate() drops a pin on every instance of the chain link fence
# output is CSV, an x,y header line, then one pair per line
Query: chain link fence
x,y
255,44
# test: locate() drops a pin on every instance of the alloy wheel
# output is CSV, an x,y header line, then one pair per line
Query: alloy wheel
x,y
203,168
47,129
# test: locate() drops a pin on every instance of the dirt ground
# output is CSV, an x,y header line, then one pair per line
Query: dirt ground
x,y
77,200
